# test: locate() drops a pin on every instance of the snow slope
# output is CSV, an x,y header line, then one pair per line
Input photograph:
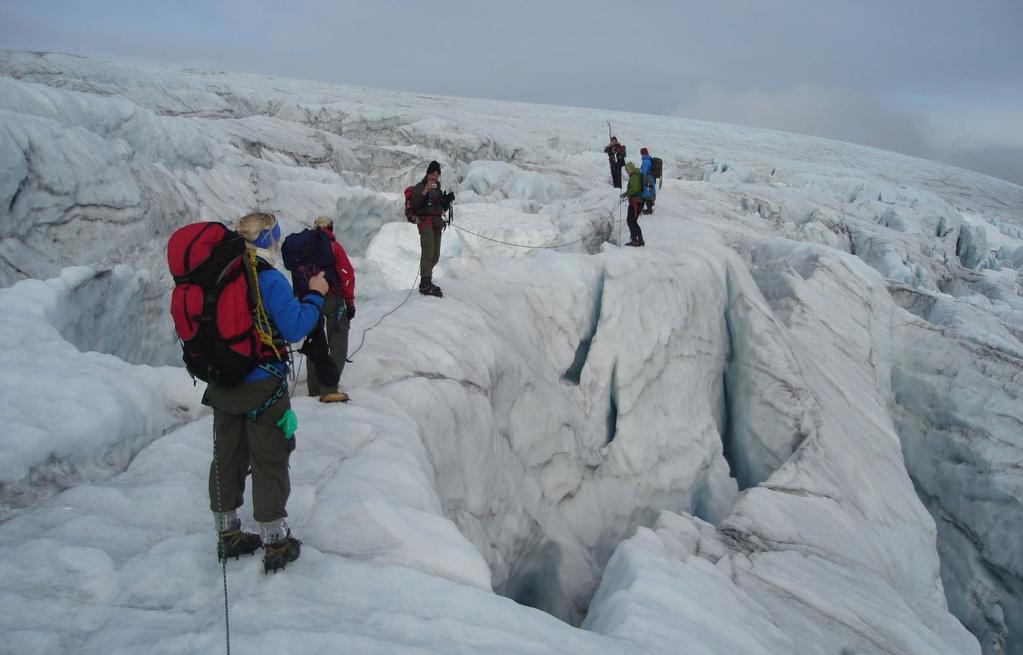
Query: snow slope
x,y
790,424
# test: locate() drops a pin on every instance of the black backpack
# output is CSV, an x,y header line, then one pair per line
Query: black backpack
x,y
656,167
307,253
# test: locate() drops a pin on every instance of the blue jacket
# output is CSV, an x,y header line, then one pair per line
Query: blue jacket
x,y
292,318
648,161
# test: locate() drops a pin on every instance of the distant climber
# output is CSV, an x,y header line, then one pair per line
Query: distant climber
x,y
634,193
253,422
649,166
429,203
616,158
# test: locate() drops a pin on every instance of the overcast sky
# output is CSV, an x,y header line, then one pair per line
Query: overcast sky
x,y
940,79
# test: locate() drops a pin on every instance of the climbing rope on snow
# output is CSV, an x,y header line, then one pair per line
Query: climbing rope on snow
x,y
223,560
517,245
379,320
362,340
610,213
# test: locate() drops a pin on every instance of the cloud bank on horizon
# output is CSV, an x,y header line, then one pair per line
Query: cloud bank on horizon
x,y
939,80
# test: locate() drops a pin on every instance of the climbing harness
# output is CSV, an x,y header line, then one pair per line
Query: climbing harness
x,y
282,389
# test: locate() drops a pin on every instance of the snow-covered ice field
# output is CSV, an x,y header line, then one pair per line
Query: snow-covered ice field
x,y
792,423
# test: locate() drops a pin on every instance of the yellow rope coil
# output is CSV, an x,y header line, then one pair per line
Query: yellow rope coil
x,y
264,328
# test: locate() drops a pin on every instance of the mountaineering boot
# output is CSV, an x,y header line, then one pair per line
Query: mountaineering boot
x,y
334,397
428,288
634,243
279,553
233,542
640,242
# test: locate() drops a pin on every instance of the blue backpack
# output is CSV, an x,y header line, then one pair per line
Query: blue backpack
x,y
305,254
647,187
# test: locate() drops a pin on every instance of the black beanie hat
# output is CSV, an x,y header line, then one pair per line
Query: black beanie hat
x,y
434,167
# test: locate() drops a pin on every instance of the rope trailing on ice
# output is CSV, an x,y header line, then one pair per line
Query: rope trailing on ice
x,y
610,213
380,320
223,560
362,341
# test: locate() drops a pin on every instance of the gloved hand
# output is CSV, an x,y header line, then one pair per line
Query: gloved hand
x,y
350,312
449,197
623,196
288,423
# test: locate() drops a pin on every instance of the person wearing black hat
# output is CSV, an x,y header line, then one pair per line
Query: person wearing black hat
x,y
616,158
429,204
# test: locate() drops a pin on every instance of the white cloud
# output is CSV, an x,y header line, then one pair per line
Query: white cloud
x,y
984,139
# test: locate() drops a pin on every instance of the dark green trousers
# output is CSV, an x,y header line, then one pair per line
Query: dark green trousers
x,y
241,443
337,340
429,242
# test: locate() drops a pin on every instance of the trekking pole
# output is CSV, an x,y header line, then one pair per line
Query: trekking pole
x,y
619,222
609,131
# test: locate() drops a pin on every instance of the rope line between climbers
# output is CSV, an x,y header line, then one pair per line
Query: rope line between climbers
x,y
220,555
610,213
380,320
362,341
517,245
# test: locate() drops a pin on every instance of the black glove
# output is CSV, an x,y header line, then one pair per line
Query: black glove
x,y
350,312
447,199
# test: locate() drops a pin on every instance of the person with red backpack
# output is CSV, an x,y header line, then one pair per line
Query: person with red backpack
x,y
253,422
306,254
338,309
428,204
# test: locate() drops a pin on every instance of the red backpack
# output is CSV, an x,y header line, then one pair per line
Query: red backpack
x,y
410,216
211,304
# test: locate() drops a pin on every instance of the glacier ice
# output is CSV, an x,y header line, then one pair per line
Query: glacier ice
x,y
790,424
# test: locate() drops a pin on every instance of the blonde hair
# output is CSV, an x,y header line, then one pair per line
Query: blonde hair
x,y
250,225
322,222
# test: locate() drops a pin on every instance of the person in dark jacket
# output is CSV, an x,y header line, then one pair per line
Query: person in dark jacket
x,y
616,158
253,423
338,312
306,254
429,203
632,192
